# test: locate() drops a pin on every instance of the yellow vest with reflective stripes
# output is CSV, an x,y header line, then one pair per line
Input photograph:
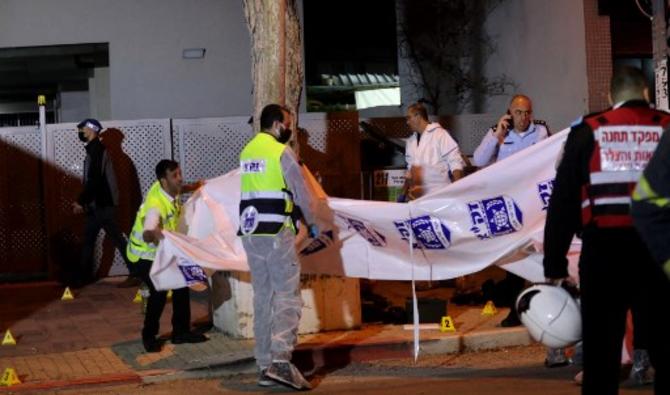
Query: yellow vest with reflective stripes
x,y
266,204
169,213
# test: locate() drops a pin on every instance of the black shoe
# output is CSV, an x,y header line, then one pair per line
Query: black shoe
x,y
152,344
188,337
511,320
129,282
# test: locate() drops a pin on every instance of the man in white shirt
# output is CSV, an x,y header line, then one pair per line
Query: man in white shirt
x,y
433,157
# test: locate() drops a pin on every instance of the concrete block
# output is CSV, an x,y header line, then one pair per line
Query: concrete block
x,y
490,339
330,303
496,338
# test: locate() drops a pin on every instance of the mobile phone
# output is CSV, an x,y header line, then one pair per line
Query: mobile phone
x,y
510,122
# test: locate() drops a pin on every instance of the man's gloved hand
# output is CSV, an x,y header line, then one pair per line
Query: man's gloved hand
x,y
401,198
313,231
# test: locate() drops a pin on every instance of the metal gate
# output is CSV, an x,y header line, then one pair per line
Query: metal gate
x,y
209,147
135,147
330,146
23,236
40,176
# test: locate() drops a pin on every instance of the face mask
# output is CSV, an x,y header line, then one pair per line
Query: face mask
x,y
82,137
284,136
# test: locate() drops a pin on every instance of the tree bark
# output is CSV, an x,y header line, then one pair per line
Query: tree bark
x,y
276,55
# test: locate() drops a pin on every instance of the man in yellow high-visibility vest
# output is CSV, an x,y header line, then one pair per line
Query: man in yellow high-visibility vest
x,y
272,185
160,211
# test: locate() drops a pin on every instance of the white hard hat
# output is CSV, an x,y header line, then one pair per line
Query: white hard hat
x,y
551,315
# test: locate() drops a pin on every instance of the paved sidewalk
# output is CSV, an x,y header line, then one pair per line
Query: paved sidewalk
x,y
95,339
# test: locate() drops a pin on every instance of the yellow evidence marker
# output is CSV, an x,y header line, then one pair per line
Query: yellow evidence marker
x,y
67,294
8,340
9,378
138,297
489,309
447,324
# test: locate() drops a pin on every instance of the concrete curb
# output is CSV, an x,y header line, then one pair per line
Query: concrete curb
x,y
123,378
469,342
352,351
491,339
222,370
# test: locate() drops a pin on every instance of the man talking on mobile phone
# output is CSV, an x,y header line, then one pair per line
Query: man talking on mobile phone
x,y
514,131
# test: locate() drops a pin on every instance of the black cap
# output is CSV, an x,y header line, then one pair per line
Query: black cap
x,y
91,123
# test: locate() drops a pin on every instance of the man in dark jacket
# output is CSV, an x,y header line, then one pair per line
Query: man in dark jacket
x,y
97,201
603,158
651,204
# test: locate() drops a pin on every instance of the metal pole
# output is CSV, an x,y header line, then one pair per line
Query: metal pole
x,y
42,102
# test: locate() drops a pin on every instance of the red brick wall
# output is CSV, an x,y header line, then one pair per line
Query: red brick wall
x,y
598,55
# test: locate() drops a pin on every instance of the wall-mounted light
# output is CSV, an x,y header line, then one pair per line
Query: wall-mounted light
x,y
193,53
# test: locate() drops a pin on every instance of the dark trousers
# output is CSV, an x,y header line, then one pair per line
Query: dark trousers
x,y
96,219
616,274
181,305
642,316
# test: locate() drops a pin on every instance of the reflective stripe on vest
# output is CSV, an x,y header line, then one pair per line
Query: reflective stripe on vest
x,y
265,203
140,253
625,139
644,191
169,214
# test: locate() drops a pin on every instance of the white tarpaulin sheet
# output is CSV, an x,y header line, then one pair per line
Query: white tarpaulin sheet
x,y
494,216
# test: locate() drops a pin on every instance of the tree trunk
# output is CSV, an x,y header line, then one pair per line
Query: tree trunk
x,y
276,55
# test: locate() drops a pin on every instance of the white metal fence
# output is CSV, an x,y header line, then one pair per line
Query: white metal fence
x,y
41,172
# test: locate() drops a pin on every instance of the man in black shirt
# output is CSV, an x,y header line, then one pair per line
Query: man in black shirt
x,y
97,201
